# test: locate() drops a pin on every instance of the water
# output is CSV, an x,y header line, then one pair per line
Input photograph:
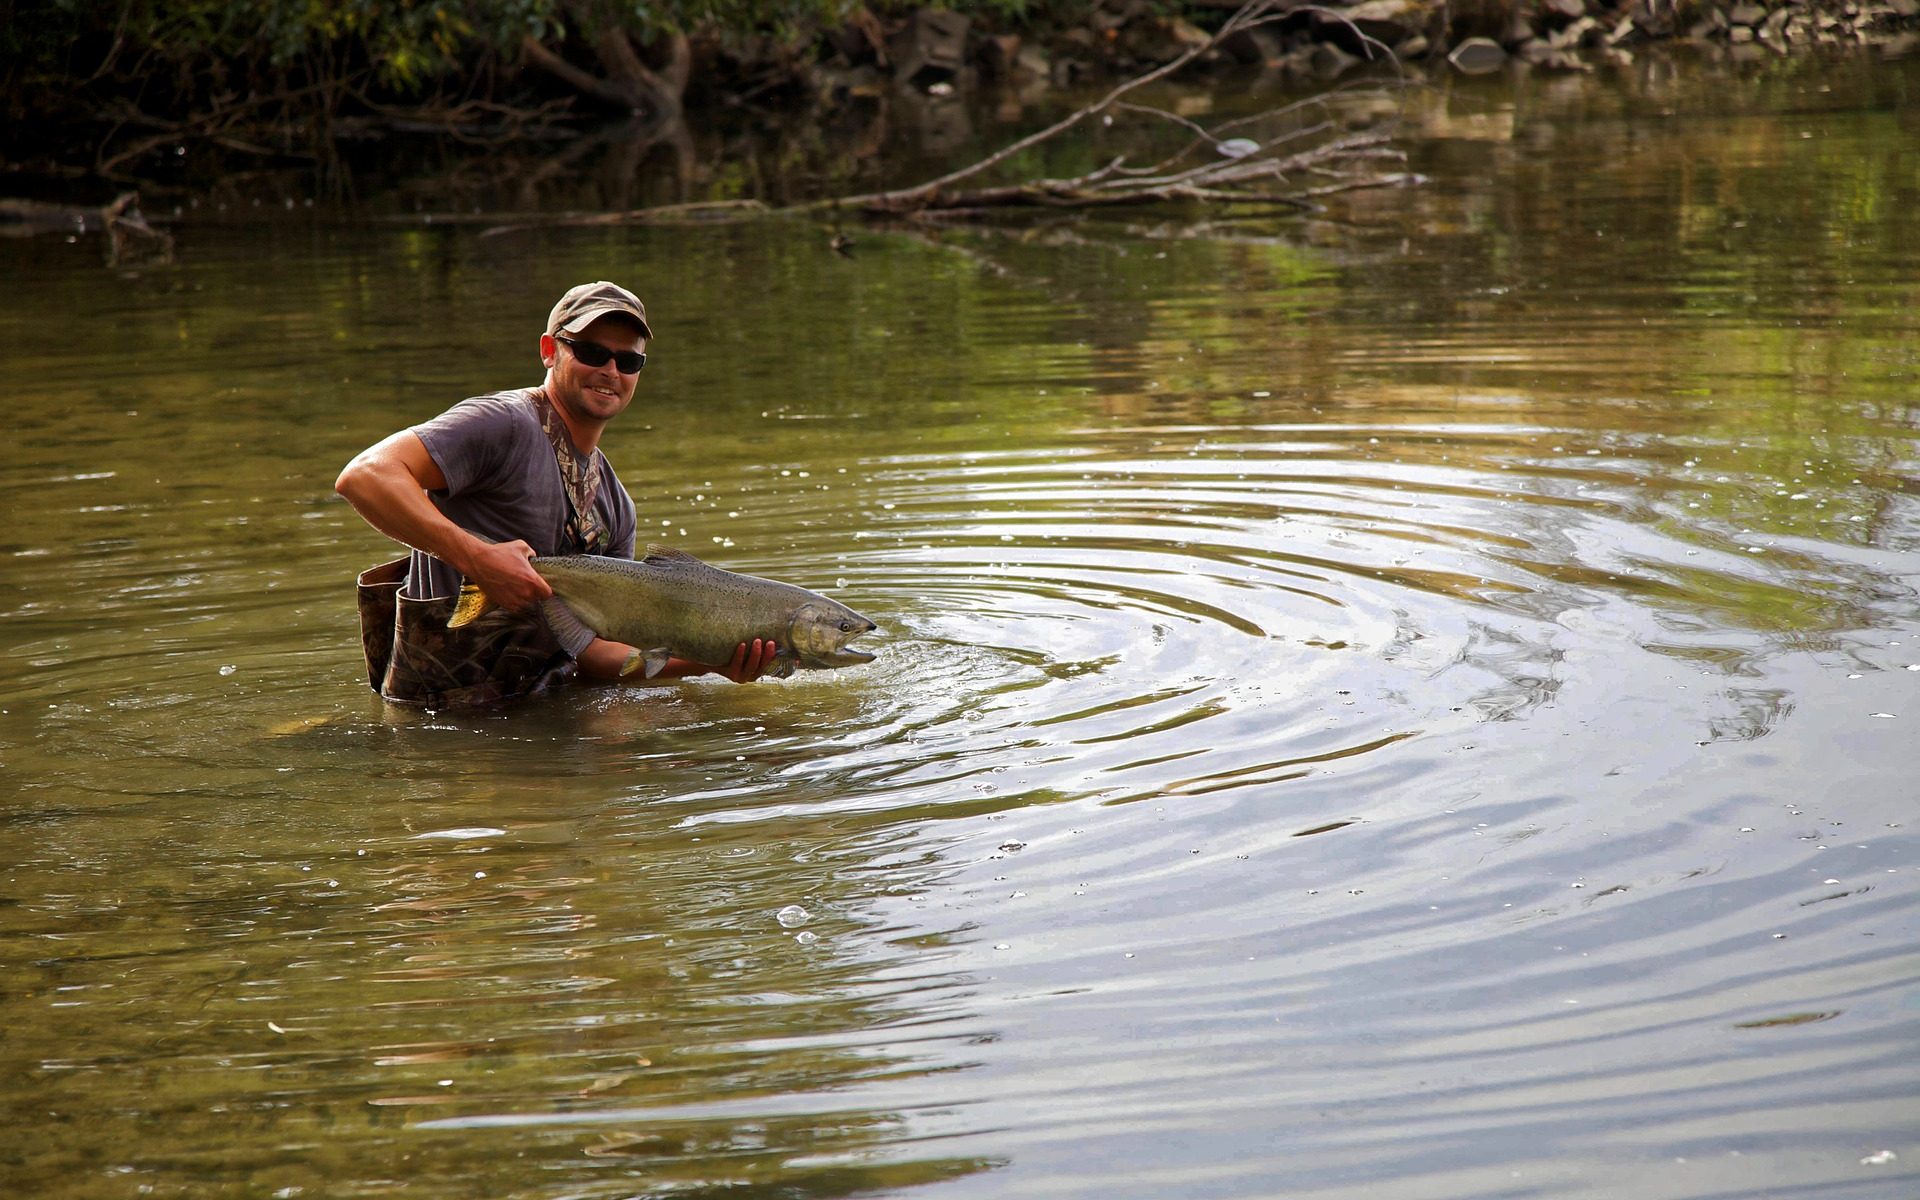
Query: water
x,y
1418,704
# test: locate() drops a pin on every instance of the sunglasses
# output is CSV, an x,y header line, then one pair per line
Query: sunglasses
x,y
593,354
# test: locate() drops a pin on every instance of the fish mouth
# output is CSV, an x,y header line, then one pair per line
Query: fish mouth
x,y
860,656
844,655
835,658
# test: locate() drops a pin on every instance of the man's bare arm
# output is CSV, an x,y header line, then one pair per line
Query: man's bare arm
x,y
603,659
387,484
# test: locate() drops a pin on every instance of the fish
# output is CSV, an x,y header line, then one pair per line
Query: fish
x,y
670,604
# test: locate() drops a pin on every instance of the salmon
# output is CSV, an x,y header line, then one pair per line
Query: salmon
x,y
672,605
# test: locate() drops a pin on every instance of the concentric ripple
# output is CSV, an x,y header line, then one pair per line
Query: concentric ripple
x,y
1423,717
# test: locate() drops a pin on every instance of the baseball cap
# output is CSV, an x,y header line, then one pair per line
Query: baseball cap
x,y
587,302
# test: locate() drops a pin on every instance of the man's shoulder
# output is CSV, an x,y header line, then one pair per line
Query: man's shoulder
x,y
482,436
493,415
513,405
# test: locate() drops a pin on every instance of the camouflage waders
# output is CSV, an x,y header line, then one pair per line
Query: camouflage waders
x,y
413,658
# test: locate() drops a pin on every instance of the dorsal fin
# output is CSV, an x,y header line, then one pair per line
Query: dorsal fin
x,y
658,553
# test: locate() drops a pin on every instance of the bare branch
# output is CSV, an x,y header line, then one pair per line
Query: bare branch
x,y
1256,12
1267,173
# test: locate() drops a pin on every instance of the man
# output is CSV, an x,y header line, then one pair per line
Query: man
x,y
486,486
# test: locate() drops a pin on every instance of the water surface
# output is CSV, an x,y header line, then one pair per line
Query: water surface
x,y
1417,703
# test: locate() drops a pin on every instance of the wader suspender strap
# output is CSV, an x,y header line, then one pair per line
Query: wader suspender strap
x,y
585,530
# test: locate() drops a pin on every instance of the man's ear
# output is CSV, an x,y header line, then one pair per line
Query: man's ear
x,y
549,351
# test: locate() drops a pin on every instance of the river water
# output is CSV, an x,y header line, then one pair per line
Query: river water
x,y
1419,703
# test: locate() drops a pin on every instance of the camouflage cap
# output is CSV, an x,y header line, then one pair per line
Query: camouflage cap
x,y
584,304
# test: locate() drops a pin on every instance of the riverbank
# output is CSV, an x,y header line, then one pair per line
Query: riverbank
x,y
104,114
1320,40
909,101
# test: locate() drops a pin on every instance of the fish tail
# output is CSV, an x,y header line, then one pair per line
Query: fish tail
x,y
472,605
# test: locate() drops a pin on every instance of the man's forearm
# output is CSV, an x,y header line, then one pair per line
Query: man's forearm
x,y
607,660
388,496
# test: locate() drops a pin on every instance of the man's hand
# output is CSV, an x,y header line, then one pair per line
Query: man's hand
x,y
750,661
504,571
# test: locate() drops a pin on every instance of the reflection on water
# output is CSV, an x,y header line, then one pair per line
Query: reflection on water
x,y
1412,705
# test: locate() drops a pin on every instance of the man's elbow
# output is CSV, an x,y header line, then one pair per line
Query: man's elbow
x,y
352,479
365,479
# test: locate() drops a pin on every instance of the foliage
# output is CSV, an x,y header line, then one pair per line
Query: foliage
x,y
407,43
119,81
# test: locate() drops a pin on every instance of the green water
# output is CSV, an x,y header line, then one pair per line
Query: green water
x,y
1414,703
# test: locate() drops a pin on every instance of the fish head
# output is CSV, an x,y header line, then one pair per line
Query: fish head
x,y
820,631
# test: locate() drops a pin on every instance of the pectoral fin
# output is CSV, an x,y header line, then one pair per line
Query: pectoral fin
x,y
472,605
648,662
567,627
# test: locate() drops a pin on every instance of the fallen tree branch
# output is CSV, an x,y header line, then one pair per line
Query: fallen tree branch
x,y
129,237
706,212
1253,170
1255,13
1256,178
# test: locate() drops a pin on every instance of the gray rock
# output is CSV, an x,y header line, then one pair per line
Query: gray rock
x,y
1655,20
932,47
1575,34
1477,56
1747,14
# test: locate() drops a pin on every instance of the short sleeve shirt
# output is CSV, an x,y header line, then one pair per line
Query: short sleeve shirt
x,y
503,484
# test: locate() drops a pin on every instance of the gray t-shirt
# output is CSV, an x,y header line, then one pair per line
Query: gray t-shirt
x,y
503,483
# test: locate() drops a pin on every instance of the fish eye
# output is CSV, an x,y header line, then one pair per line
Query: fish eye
x,y
846,627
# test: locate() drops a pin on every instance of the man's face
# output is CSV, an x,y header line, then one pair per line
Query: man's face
x,y
591,394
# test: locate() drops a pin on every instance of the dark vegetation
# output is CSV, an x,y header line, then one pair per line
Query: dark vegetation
x,y
129,79
99,97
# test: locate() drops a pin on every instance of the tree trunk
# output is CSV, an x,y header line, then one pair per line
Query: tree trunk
x,y
626,81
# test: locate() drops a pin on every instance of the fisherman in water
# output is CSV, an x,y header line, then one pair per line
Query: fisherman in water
x,y
481,489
